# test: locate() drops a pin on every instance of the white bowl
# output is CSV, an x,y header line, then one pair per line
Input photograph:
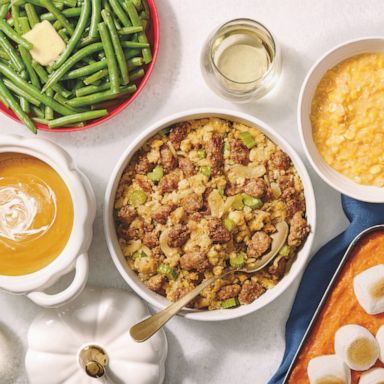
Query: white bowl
x,y
130,276
74,256
327,173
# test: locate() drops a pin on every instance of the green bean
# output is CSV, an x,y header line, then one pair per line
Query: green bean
x,y
138,5
15,16
40,120
92,89
86,70
58,5
96,76
14,105
79,117
110,57
58,15
4,55
60,72
31,14
136,21
87,41
21,92
137,74
24,104
37,93
14,36
95,18
129,53
48,112
4,10
44,78
100,97
37,111
63,35
8,49
64,101
119,12
69,12
134,62
117,46
130,30
80,27
134,44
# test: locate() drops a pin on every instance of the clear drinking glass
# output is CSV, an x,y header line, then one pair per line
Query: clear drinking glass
x,y
241,61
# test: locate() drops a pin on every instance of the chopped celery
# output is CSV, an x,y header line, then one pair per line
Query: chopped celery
x,y
238,202
247,139
221,191
238,260
168,271
285,250
206,170
202,154
226,147
138,254
230,303
229,224
252,202
156,174
137,197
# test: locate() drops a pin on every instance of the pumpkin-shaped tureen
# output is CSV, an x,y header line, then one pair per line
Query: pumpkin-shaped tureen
x,y
88,341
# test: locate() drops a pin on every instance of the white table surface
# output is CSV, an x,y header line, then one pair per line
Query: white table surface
x,y
247,350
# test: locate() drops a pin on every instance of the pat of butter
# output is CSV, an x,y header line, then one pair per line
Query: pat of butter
x,y
47,43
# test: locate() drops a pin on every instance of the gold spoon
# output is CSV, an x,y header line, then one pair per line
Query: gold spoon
x,y
145,329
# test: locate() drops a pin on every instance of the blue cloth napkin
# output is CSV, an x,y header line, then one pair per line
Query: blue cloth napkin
x,y
319,273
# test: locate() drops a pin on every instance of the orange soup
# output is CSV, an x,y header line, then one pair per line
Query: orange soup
x,y
36,214
342,308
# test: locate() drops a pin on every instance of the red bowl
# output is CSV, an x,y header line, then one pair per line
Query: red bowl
x,y
154,39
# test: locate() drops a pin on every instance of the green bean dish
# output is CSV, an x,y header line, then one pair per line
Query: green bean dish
x,y
104,53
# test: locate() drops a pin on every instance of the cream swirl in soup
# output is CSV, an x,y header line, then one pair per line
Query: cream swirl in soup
x,y
22,206
36,214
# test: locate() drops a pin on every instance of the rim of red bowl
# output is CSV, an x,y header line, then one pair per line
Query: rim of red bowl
x,y
154,36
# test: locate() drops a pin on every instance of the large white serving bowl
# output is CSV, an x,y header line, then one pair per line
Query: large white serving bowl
x,y
159,301
328,174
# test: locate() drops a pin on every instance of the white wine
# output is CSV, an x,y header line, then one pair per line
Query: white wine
x,y
241,60
244,63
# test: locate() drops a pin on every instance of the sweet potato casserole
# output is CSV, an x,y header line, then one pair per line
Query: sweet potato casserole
x,y
203,195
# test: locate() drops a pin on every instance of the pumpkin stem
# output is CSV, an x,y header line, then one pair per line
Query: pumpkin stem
x,y
93,360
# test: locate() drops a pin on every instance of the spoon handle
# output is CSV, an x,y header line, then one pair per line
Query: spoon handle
x,y
145,329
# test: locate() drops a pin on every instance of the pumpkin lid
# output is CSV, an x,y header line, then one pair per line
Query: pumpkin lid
x,y
89,338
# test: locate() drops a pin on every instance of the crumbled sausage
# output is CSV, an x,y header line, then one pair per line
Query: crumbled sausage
x,y
215,156
293,201
155,283
256,188
150,239
178,236
239,152
126,215
180,292
186,166
191,202
144,184
169,182
281,160
228,291
179,133
217,232
278,270
143,165
160,214
259,244
250,291
194,261
135,230
167,159
298,230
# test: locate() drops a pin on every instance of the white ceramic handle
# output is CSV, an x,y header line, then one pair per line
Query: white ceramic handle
x,y
81,275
